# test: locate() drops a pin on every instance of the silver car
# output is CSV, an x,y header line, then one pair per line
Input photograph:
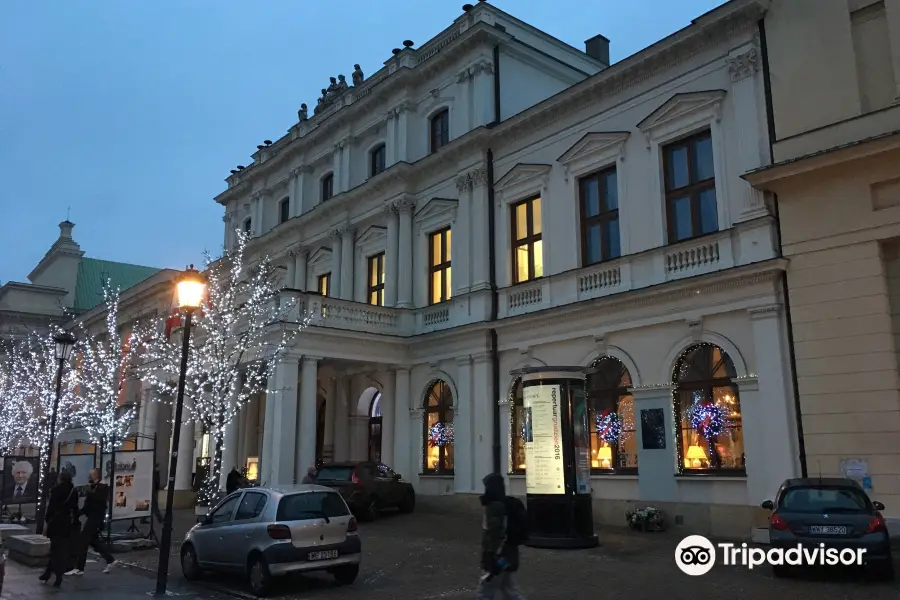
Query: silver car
x,y
269,532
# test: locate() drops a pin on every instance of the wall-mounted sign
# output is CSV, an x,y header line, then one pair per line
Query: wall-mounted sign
x,y
543,440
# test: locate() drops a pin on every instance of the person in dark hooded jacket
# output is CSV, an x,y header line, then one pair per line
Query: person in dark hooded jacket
x,y
499,559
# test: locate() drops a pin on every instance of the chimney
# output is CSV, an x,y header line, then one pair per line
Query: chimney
x,y
65,229
598,48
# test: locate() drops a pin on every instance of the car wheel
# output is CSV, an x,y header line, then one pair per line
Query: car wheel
x,y
189,565
259,576
370,513
781,570
346,575
408,504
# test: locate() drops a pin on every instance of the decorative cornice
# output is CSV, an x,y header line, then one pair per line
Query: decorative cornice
x,y
481,357
390,209
764,312
405,205
297,251
743,65
475,178
463,360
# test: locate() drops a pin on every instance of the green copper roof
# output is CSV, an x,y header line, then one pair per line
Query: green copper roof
x,y
93,274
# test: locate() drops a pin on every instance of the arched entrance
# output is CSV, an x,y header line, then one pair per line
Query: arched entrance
x,y
375,428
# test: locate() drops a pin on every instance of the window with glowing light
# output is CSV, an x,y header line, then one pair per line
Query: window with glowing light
x,y
614,447
517,424
528,244
438,429
708,411
375,285
439,259
323,285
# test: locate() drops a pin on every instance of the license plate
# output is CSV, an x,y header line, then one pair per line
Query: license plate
x,y
323,555
828,529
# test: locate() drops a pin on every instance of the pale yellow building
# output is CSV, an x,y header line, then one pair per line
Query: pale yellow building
x,y
832,71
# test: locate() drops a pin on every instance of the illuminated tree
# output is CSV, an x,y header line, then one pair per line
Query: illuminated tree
x,y
239,332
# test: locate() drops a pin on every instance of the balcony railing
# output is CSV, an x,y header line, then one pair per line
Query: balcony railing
x,y
637,271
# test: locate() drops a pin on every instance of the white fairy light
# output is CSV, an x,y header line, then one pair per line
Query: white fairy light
x,y
240,331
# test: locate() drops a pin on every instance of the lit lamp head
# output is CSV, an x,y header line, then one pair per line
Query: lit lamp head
x,y
694,456
191,288
604,455
65,342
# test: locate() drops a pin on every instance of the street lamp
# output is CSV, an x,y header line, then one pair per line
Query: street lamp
x,y
191,288
65,342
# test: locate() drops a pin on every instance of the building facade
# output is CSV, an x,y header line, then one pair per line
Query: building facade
x,y
410,215
835,130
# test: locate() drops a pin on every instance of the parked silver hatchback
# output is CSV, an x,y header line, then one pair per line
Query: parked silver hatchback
x,y
269,532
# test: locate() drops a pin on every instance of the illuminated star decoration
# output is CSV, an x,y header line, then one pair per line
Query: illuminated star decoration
x,y
609,426
441,434
708,419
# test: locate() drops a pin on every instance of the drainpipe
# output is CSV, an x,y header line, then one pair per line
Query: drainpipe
x,y
492,277
770,122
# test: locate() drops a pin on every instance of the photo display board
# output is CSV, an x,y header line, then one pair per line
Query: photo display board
x,y
543,440
20,479
134,483
79,467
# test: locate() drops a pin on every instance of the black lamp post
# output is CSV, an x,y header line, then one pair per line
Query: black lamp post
x,y
191,290
65,342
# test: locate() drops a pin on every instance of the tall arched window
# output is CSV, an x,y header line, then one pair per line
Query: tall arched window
x,y
375,428
708,411
438,429
613,438
517,424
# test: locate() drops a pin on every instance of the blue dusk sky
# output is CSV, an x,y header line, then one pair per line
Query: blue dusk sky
x,y
130,114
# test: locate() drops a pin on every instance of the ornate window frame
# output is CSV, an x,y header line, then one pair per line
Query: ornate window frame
x,y
372,241
522,182
683,115
320,263
423,406
436,214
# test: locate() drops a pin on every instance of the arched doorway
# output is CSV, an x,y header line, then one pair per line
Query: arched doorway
x,y
320,431
375,428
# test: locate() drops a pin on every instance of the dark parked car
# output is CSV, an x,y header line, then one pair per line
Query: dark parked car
x,y
836,512
368,487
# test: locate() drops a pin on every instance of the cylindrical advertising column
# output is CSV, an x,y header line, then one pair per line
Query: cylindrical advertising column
x,y
557,458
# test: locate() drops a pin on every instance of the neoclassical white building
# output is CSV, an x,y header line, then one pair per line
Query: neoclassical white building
x,y
410,215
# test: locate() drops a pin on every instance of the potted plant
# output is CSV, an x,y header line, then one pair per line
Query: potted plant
x,y
646,519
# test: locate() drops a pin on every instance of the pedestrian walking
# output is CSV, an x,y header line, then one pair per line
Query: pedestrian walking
x,y
94,511
61,513
505,527
310,476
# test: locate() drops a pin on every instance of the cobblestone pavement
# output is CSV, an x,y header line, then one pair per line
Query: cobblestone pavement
x,y
434,557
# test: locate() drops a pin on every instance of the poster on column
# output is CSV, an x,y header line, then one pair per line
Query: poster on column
x,y
133,486
545,473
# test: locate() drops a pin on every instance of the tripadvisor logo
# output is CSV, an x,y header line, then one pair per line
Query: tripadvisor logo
x,y
696,555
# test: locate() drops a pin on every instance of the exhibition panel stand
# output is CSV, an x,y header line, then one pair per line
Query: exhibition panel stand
x,y
557,458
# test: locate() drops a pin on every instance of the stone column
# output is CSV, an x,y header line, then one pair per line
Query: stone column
x,y
230,443
296,191
348,236
301,255
505,433
336,175
345,165
266,474
405,255
743,65
482,416
402,133
336,245
463,120
390,255
892,10
151,417
656,481
402,462
306,428
768,417
185,468
330,405
463,428
460,251
388,395
284,423
480,231
484,93
242,433
290,276
390,143
342,419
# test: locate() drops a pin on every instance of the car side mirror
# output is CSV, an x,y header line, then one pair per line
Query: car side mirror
x,y
398,478
206,519
768,505
878,505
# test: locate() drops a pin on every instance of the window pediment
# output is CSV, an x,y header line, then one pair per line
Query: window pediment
x,y
523,178
686,106
372,238
320,258
595,149
437,212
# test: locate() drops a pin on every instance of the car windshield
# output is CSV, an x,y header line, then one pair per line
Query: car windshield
x,y
820,500
335,473
311,505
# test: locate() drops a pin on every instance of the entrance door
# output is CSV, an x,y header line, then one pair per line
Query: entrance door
x,y
375,429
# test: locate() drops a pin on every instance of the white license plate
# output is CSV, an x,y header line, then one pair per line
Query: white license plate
x,y
828,529
323,555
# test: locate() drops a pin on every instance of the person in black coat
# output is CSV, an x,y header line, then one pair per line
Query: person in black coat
x,y
233,481
61,514
94,510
